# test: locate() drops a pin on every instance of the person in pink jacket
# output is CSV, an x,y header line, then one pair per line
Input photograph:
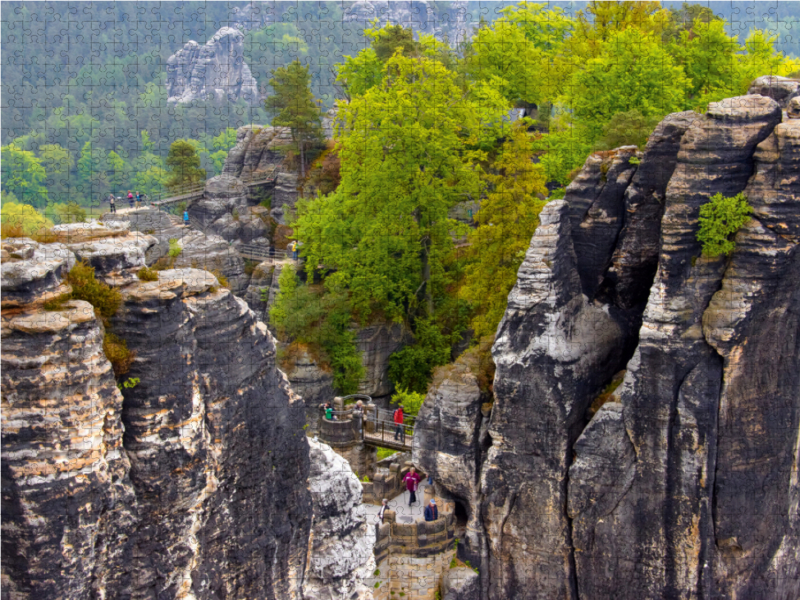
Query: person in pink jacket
x,y
412,480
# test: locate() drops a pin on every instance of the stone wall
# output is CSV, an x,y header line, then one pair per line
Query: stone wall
x,y
412,558
386,480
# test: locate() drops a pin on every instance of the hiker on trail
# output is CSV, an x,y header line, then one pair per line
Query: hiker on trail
x,y
431,512
399,430
138,200
382,511
112,204
412,481
130,198
293,248
186,218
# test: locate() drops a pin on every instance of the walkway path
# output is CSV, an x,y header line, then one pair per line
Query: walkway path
x,y
405,513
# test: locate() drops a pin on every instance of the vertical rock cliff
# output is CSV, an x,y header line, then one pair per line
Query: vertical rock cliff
x,y
684,483
192,484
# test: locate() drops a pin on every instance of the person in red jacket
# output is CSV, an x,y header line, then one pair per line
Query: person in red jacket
x,y
411,480
399,430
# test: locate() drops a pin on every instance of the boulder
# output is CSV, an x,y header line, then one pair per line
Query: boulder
x,y
780,89
461,583
340,548
33,273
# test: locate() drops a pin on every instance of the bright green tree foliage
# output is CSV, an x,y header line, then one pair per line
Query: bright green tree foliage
x,y
506,221
293,106
411,401
404,148
15,214
321,323
184,164
23,175
360,72
633,71
720,218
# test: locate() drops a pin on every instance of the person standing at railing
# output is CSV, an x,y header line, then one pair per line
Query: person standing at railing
x,y
399,430
112,205
130,198
186,218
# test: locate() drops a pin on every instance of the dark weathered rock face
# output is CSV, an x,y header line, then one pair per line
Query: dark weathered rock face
x,y
554,349
203,493
684,484
657,516
449,438
377,343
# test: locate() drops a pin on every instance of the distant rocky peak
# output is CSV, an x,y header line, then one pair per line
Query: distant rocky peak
x,y
214,70
419,15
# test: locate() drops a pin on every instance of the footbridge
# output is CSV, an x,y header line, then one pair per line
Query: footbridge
x,y
195,191
371,426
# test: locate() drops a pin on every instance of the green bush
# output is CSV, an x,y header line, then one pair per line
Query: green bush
x,y
322,322
147,274
174,248
411,367
385,453
411,401
105,299
720,219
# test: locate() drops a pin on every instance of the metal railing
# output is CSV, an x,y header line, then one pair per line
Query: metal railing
x,y
262,253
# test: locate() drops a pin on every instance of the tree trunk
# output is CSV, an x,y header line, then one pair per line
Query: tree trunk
x,y
426,274
302,160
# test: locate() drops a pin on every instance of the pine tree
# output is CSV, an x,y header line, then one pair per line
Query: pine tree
x,y
293,106
184,164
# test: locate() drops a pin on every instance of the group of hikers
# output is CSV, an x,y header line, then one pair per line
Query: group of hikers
x,y
135,200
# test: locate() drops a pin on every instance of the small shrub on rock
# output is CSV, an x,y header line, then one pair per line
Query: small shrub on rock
x,y
174,248
116,351
147,274
105,299
720,219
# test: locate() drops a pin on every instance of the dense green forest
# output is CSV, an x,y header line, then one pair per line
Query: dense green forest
x,y
425,130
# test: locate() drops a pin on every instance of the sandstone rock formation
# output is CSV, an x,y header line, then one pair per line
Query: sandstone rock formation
x,y
674,514
170,488
198,249
684,484
420,15
780,89
450,439
377,343
340,554
215,70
